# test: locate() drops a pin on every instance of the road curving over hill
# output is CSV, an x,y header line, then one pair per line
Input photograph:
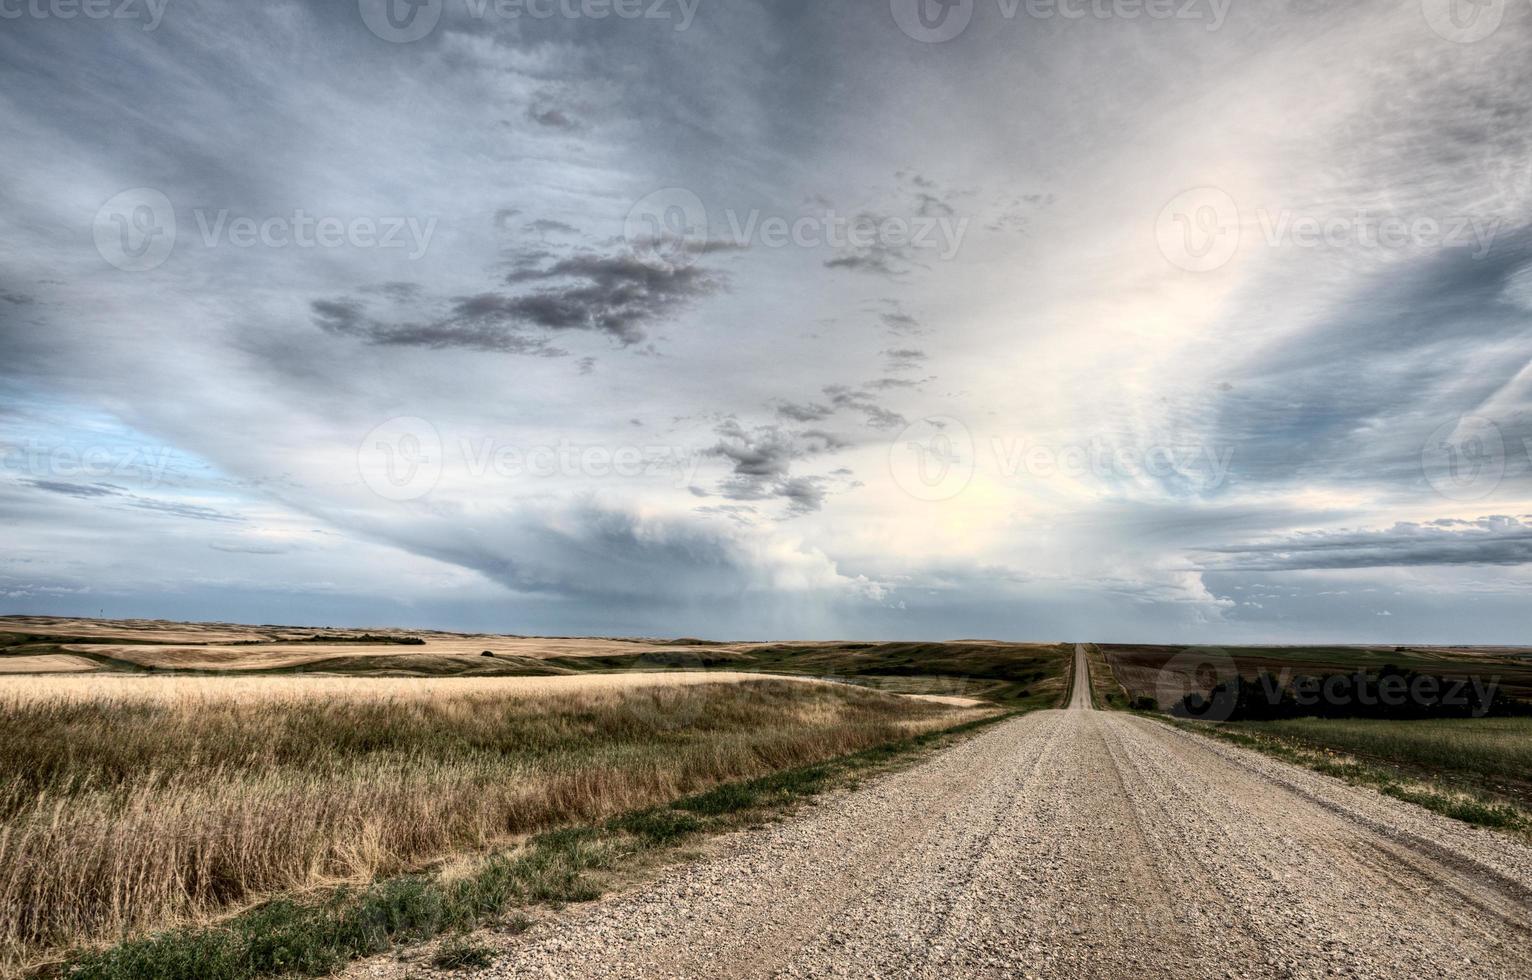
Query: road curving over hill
x,y
1074,843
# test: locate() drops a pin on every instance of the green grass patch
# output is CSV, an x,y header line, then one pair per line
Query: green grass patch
x,y
1485,750
1453,799
288,937
777,788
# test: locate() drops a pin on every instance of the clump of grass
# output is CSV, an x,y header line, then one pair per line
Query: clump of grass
x,y
461,953
657,826
776,788
1466,809
131,808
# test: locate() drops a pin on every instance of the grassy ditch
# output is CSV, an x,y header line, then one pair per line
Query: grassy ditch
x,y
1106,693
318,936
130,804
1454,767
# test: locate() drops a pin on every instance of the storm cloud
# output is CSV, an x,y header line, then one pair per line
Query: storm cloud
x,y
1001,427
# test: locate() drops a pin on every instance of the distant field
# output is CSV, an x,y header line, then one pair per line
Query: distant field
x,y
133,802
1152,671
1014,674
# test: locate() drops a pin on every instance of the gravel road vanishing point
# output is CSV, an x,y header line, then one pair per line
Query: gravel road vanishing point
x,y
1074,843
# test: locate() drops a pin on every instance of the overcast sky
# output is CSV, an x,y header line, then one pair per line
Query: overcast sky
x,y
1202,321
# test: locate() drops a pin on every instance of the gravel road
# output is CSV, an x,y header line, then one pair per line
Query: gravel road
x,y
1074,843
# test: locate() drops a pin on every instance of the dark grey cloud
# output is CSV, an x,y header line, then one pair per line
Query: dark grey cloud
x,y
348,318
1497,540
840,397
619,295
803,412
883,384
551,117
1438,334
532,141
875,259
804,494
928,197
194,512
904,358
585,551
82,490
762,458
546,226
98,491
875,415
768,450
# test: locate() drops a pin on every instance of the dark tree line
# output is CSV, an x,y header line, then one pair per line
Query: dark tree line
x,y
1390,693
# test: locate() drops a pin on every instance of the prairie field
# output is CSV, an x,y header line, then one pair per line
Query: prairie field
x,y
1484,754
130,803
1160,672
1019,675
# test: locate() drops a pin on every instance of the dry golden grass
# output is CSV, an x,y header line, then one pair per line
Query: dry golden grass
x,y
48,663
129,803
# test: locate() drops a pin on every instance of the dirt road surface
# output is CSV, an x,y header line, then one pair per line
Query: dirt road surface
x,y
1074,843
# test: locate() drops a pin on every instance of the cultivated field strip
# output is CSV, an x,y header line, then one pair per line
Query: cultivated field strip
x,y
1075,843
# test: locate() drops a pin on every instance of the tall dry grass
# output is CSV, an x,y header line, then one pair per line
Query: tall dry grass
x,y
133,803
